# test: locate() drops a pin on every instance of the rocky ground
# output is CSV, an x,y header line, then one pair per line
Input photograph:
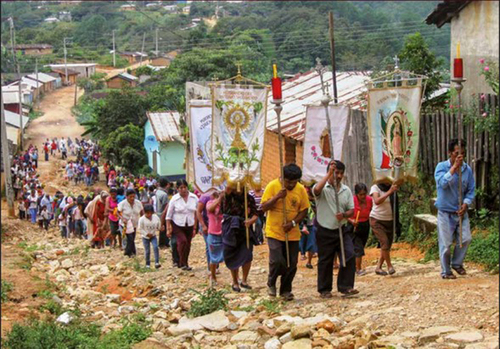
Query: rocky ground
x,y
414,308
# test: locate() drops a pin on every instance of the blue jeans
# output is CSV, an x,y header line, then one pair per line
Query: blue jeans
x,y
33,215
258,231
147,250
448,224
307,243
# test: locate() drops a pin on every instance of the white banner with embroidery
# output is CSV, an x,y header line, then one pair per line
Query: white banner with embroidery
x,y
393,132
238,126
317,140
200,132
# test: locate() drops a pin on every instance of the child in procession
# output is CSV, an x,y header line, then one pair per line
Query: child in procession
x,y
149,226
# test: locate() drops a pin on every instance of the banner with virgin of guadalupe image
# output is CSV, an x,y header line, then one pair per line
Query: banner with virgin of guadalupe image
x,y
238,128
317,140
393,130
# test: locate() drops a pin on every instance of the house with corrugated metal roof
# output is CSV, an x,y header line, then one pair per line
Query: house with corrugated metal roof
x,y
164,144
121,80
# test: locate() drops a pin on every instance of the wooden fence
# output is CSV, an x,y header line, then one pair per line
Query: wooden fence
x,y
436,130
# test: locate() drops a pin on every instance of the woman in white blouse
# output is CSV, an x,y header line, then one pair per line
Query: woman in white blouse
x,y
182,221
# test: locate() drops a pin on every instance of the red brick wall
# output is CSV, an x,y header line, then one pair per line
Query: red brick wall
x,y
271,160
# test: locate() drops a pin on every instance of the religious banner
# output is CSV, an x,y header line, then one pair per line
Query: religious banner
x,y
316,154
393,131
200,132
238,128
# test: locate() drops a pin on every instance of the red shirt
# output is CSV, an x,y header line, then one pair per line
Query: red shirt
x,y
364,210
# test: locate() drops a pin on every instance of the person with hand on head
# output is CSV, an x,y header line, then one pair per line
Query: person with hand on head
x,y
294,196
214,238
449,212
381,222
182,221
330,216
148,225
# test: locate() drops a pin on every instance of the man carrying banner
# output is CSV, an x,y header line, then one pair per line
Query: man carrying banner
x,y
296,204
327,233
449,213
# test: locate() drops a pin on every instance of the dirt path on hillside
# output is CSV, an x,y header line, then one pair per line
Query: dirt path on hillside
x,y
112,72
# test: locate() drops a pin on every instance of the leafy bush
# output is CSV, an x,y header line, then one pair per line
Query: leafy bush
x,y
6,288
36,334
211,300
484,249
107,60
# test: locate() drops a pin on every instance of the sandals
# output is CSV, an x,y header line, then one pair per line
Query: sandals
x,y
309,266
460,270
381,272
449,277
246,286
235,288
303,257
326,295
287,297
392,271
350,292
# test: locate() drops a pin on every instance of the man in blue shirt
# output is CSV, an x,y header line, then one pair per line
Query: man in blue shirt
x,y
446,176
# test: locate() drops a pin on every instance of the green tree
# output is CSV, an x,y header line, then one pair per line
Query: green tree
x,y
124,146
121,108
419,59
94,82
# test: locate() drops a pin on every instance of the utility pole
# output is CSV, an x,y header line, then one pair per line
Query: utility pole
x,y
332,51
36,72
76,87
65,61
114,49
142,49
12,37
156,42
21,106
9,191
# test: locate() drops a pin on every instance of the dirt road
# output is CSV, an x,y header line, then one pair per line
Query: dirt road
x,y
112,72
405,305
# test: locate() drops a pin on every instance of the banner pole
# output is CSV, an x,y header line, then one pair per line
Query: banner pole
x,y
325,101
278,108
246,215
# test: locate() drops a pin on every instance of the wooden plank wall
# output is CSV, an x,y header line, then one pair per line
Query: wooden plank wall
x,y
356,152
437,128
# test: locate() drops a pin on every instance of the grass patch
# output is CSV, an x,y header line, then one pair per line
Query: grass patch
x,y
484,249
46,333
6,288
210,300
272,306
139,268
28,248
45,294
35,114
248,309
52,307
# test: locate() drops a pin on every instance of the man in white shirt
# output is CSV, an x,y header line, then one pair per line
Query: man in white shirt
x,y
149,225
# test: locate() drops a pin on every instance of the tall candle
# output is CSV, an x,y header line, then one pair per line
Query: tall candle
x,y
458,50
276,84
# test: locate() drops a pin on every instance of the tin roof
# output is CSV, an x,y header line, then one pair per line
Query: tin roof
x,y
42,77
12,119
445,11
30,46
165,126
305,89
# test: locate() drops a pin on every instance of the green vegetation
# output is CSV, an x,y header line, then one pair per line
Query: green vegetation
x,y
210,300
272,306
79,334
6,288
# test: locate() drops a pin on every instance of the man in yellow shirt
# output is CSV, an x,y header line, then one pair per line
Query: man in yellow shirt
x,y
296,205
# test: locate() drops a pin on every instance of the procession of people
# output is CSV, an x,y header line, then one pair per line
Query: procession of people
x,y
295,219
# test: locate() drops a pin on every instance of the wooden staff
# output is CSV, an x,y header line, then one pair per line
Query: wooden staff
x,y
357,217
460,136
278,109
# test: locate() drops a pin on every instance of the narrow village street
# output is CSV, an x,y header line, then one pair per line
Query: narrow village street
x,y
413,308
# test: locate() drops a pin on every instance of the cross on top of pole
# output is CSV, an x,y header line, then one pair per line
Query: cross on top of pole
x,y
396,62
320,69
